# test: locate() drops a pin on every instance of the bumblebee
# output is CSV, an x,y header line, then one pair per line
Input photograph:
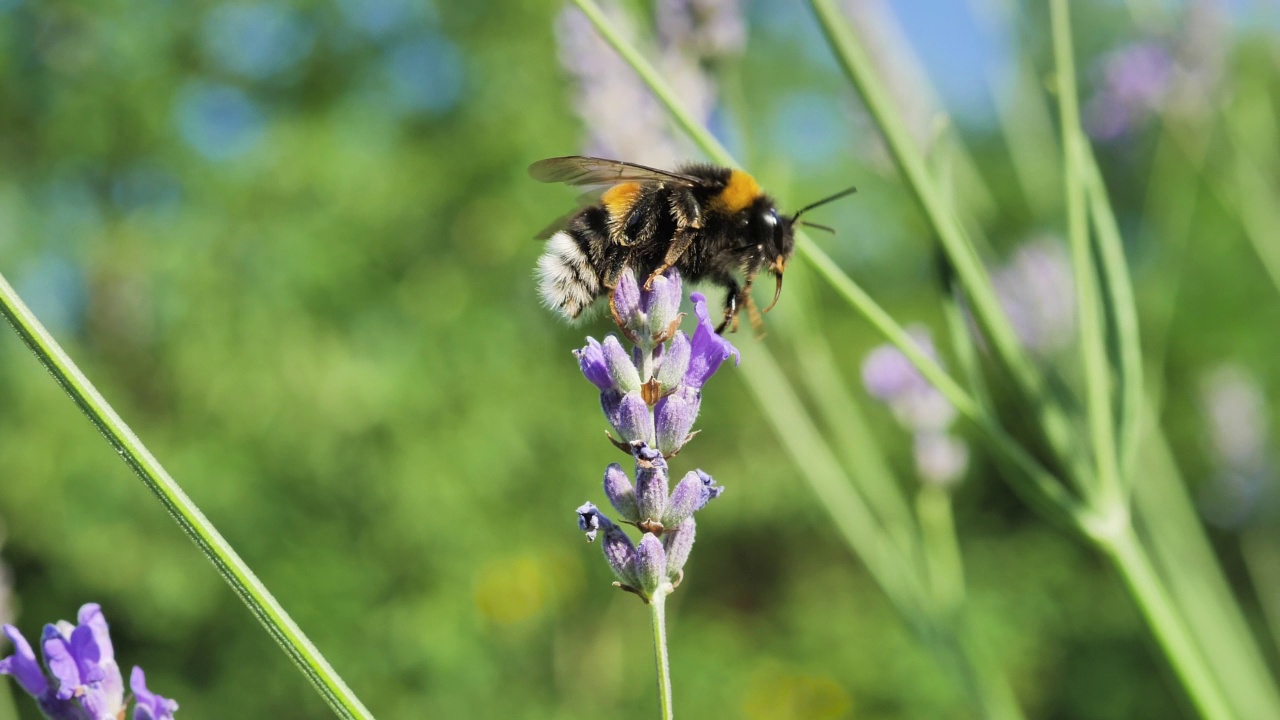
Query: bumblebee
x,y
711,223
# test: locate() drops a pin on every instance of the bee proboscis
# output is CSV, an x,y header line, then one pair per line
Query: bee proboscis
x,y
713,224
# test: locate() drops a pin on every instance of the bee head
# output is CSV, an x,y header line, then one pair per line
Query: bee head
x,y
772,240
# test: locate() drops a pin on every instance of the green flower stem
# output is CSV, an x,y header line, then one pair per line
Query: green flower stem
x,y
1097,372
1168,626
1119,284
942,551
197,527
658,611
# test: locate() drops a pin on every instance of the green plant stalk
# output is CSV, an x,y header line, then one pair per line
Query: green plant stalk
x,y
1115,273
246,585
941,549
1260,548
1097,371
1168,626
658,611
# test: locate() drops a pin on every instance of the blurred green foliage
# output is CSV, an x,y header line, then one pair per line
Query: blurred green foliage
x,y
301,270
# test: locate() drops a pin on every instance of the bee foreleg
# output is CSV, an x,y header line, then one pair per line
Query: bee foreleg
x,y
679,245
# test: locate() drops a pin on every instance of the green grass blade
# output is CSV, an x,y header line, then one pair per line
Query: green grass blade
x,y
193,522
1123,314
1093,334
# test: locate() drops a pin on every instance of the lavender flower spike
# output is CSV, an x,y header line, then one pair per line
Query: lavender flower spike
x,y
150,706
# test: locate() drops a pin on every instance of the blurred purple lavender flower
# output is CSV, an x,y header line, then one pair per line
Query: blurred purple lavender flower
x,y
622,117
82,681
651,396
919,407
1178,75
1236,411
704,29
1037,291
1134,83
891,378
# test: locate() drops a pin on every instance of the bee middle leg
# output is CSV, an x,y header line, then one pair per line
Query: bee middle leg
x,y
679,246
732,304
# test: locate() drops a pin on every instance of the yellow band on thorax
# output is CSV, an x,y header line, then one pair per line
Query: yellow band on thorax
x,y
619,199
738,193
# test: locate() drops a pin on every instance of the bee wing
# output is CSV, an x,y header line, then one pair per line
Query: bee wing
x,y
584,200
579,170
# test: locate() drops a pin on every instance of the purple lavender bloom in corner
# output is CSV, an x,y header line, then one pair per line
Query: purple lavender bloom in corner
x,y
149,706
707,349
83,661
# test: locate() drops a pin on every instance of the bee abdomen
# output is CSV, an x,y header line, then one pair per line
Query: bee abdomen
x,y
566,280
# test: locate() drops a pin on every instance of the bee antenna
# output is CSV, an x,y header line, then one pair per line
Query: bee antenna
x,y
816,226
823,201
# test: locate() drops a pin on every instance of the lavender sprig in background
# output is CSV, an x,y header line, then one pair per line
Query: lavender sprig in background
x,y
80,679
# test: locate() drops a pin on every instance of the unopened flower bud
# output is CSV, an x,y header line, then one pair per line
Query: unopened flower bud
x,y
629,415
651,483
674,416
650,564
621,494
626,300
678,543
591,361
622,371
618,549
675,362
662,303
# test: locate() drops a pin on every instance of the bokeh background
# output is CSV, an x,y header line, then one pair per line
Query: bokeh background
x,y
292,243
